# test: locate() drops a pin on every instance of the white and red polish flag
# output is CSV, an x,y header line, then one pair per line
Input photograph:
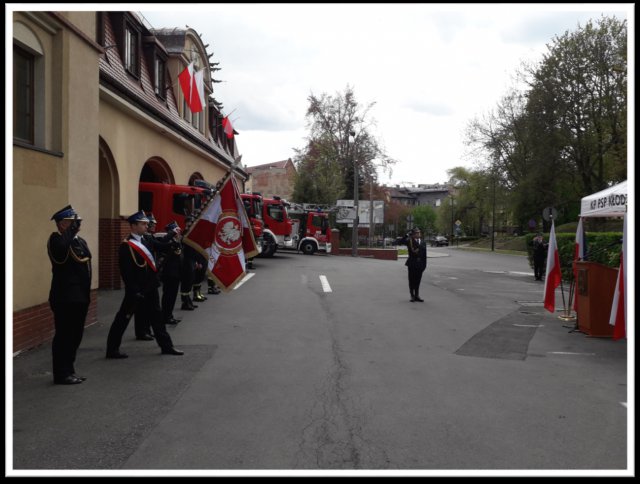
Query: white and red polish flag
x,y
192,84
553,274
618,317
222,234
226,126
579,254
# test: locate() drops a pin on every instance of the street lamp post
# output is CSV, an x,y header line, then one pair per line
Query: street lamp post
x,y
354,233
371,228
493,217
452,204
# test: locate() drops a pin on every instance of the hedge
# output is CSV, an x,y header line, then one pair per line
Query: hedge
x,y
602,247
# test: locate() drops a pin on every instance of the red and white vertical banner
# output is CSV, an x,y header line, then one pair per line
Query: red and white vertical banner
x,y
554,273
618,317
223,235
579,253
192,84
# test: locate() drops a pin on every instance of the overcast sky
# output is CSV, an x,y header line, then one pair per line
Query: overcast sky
x,y
430,69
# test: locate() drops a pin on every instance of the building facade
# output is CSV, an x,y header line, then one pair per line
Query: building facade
x,y
98,109
273,179
432,195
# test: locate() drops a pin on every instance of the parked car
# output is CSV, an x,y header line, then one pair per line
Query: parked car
x,y
439,241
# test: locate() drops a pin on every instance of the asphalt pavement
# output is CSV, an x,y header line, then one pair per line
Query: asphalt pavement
x,y
309,389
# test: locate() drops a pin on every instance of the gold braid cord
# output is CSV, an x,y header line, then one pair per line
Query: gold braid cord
x,y
76,257
133,254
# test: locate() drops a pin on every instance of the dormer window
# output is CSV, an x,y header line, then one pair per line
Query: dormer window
x,y
132,50
159,69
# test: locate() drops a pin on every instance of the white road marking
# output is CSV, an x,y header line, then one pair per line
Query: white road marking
x,y
325,284
245,279
569,353
521,273
530,325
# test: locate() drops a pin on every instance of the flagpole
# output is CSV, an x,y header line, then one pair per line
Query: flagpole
x,y
211,195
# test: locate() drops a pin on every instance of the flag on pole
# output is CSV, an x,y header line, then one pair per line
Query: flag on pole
x,y
553,274
618,317
185,78
226,125
579,254
222,234
192,84
197,92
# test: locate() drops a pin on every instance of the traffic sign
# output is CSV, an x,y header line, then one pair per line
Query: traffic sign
x,y
549,213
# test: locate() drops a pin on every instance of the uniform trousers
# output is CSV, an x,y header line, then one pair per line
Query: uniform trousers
x,y
150,305
415,276
170,287
538,267
69,319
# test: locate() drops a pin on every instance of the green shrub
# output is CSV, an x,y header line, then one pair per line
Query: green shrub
x,y
602,247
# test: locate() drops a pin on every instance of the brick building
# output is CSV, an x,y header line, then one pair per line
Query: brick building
x,y
273,178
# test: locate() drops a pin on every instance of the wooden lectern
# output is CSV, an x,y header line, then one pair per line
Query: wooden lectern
x,y
595,288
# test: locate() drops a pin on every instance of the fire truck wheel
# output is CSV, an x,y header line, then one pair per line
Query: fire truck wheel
x,y
269,247
308,248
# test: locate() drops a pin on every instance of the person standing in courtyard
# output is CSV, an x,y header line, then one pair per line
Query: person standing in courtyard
x,y
140,275
416,262
539,256
69,296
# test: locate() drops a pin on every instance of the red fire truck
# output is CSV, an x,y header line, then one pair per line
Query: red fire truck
x,y
277,225
175,202
171,202
312,230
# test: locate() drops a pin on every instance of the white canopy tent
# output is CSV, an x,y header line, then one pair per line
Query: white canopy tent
x,y
611,202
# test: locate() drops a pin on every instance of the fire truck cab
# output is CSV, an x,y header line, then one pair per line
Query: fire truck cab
x,y
171,202
276,224
176,202
312,230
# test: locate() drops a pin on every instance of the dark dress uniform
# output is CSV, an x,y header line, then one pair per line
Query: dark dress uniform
x,y
416,264
69,296
141,288
539,257
143,318
170,275
187,277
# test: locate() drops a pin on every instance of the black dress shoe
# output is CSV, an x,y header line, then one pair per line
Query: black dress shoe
x,y
173,321
81,378
419,299
67,380
145,337
171,351
116,355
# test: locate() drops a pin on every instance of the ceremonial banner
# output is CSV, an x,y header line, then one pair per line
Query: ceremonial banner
x,y
222,234
553,274
618,317
579,254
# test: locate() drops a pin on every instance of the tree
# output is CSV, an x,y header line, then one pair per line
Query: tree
x,y
564,137
424,217
583,79
340,139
